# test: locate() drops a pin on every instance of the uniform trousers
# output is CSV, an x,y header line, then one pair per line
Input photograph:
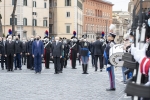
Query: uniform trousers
x,y
111,77
73,58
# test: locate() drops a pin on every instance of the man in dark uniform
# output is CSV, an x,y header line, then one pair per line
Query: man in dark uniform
x,y
18,46
73,52
110,68
85,46
30,59
24,51
98,53
47,51
10,52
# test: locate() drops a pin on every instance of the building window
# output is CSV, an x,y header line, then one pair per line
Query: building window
x,y
34,22
15,21
34,3
50,3
67,2
45,23
50,15
79,4
44,4
25,21
13,1
67,14
34,13
25,2
68,29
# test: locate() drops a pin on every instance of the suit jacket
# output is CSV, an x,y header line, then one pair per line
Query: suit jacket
x,y
10,48
97,48
37,49
24,47
56,49
29,47
92,48
18,46
2,48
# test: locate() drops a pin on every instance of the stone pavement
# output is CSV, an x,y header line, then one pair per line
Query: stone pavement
x,y
70,85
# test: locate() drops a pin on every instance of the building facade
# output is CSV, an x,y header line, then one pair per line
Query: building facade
x,y
31,17
65,17
121,19
145,5
97,17
130,10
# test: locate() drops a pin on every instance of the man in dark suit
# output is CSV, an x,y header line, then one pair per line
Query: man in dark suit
x,y
30,59
98,53
2,53
92,54
57,54
10,52
66,51
37,51
18,46
24,51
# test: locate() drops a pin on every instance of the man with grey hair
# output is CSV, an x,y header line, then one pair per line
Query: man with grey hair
x,y
57,54
10,52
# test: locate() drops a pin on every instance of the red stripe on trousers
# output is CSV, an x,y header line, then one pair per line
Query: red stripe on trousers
x,y
111,79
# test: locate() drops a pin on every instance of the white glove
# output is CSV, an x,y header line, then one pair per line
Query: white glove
x,y
112,44
77,54
108,65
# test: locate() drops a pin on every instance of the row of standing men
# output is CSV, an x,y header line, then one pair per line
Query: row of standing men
x,y
15,50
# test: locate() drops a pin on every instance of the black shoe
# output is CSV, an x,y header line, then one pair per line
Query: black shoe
x,y
60,72
56,73
20,69
8,70
86,67
101,70
113,89
95,69
32,68
15,69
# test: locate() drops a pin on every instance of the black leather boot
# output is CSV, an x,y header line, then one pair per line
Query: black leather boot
x,y
83,67
86,67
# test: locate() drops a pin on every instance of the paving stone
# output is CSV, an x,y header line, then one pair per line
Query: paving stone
x,y
70,85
